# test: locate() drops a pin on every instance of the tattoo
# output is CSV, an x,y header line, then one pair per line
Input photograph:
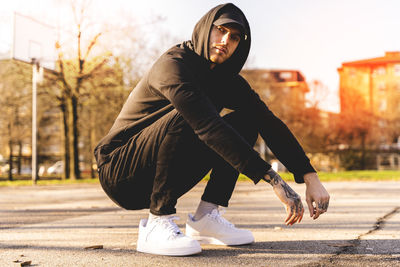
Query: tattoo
x,y
289,192
323,206
274,177
268,180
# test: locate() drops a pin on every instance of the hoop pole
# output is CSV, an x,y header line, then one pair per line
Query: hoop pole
x,y
34,119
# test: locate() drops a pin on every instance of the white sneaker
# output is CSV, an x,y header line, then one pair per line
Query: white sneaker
x,y
215,229
163,237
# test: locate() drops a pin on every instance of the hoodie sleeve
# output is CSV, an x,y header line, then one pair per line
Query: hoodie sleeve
x,y
175,82
275,133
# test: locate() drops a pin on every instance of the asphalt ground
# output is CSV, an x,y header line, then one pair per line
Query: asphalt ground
x,y
55,225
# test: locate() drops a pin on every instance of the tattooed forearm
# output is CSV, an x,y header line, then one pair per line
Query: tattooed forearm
x,y
289,191
292,201
290,194
295,197
273,177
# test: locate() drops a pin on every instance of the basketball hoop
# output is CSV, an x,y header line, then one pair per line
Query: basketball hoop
x,y
34,43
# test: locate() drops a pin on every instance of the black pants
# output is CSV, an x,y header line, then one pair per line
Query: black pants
x,y
165,160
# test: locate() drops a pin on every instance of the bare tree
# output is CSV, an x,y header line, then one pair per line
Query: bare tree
x,y
72,74
95,49
318,93
15,113
100,106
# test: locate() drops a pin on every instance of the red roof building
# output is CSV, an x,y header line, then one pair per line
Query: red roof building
x,y
371,84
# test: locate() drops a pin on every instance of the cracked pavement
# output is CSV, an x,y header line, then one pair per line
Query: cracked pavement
x,y
52,226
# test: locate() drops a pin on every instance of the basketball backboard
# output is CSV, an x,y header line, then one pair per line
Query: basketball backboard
x,y
34,40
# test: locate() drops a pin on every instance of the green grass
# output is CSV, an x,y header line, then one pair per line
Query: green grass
x,y
361,176
347,176
324,176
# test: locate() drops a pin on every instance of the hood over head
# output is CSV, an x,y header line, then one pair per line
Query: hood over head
x,y
219,15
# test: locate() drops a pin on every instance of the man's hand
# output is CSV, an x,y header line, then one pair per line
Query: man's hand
x,y
316,195
290,199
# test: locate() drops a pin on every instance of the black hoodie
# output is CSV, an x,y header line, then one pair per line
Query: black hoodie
x,y
181,79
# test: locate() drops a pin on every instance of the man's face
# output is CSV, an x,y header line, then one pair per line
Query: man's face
x,y
223,42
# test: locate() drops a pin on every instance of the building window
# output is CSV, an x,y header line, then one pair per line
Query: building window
x,y
352,72
286,75
379,71
383,105
382,86
397,69
286,89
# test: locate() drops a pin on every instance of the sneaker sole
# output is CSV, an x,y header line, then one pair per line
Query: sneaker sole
x,y
214,241
168,252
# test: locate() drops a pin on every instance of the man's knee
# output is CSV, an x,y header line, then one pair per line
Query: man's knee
x,y
177,124
131,193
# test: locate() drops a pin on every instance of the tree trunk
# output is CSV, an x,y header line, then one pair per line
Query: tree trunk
x,y
73,137
64,109
363,151
76,137
71,141
10,162
91,145
19,160
19,157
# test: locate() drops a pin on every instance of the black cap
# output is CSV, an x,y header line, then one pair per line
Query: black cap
x,y
231,17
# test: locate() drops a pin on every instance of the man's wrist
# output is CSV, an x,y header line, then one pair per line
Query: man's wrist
x,y
271,177
310,177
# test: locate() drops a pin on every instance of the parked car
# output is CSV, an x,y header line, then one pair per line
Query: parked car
x,y
56,168
24,170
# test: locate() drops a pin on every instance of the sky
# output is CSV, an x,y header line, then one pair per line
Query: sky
x,y
312,36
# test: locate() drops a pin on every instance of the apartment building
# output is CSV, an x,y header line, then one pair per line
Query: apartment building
x,y
372,86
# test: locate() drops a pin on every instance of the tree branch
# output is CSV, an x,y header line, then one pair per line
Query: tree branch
x,y
92,43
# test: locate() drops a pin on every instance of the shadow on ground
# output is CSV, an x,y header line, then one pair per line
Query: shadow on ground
x,y
321,247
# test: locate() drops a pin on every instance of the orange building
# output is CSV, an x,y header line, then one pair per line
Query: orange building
x,y
372,85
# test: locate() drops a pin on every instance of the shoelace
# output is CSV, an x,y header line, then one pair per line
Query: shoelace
x,y
170,225
217,215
